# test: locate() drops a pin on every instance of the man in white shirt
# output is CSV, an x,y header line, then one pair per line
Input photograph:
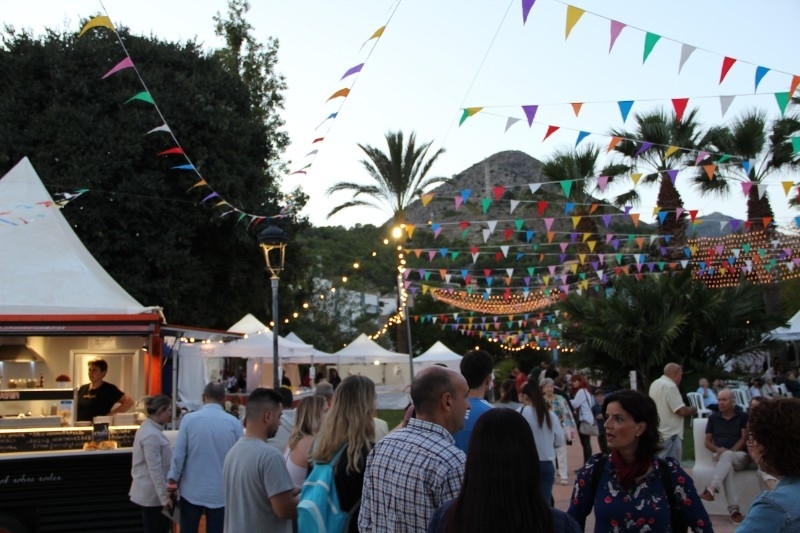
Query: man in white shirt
x,y
671,410
709,398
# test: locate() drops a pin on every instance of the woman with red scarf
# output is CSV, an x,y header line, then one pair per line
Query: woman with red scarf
x,y
632,489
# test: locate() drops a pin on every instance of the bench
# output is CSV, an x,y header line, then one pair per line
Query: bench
x,y
746,480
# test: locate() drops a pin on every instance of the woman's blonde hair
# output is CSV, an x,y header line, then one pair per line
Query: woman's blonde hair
x,y
308,419
350,421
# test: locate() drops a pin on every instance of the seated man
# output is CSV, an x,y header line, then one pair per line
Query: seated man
x,y
709,397
726,437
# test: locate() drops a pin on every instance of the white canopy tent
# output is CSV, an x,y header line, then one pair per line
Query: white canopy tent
x,y
792,333
366,357
438,354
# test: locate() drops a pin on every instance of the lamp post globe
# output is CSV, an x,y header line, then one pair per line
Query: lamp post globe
x,y
272,241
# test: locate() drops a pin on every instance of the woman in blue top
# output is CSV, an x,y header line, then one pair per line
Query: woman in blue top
x,y
632,490
501,489
773,442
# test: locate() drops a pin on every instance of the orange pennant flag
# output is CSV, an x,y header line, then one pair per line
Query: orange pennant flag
x,y
795,83
710,170
198,184
96,22
640,242
635,218
574,14
341,92
614,142
550,236
576,107
593,208
766,221
410,230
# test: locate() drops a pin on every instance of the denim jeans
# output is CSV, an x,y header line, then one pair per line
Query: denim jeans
x,y
153,521
547,472
191,513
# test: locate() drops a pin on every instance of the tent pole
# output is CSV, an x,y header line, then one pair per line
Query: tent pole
x,y
175,349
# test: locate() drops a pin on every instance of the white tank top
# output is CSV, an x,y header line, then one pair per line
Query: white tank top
x,y
297,473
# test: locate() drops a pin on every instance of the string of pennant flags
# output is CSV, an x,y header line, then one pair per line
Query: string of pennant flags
x,y
28,213
575,14
145,96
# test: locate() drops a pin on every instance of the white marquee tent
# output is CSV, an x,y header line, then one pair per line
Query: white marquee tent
x,y
792,333
438,354
366,357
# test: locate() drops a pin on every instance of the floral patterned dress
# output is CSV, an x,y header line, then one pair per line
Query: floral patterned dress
x,y
562,409
644,508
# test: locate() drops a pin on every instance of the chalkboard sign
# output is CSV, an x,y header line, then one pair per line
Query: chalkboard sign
x,y
124,437
20,441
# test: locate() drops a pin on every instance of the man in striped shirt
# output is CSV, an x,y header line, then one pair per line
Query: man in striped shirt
x,y
412,471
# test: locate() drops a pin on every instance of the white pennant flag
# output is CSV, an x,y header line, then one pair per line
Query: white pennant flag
x,y
534,187
686,51
762,189
504,249
492,224
514,204
486,234
510,122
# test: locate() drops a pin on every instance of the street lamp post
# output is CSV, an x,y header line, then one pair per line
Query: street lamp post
x,y
273,242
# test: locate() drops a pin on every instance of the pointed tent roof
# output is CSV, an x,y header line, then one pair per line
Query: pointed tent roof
x,y
439,353
792,333
294,338
44,267
365,350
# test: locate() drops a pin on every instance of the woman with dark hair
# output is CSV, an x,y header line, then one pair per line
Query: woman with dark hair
x,y
632,489
547,434
500,449
582,401
773,441
508,395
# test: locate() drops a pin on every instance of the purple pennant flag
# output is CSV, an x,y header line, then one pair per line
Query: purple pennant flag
x,y
606,219
672,175
530,112
527,5
643,148
209,197
353,70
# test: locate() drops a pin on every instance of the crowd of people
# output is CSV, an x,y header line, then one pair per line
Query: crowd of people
x,y
459,463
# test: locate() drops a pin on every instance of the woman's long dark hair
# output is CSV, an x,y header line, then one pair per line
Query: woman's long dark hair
x,y
501,489
538,403
642,408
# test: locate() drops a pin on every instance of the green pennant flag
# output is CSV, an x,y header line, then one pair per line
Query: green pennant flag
x,y
144,96
567,186
796,145
518,224
650,41
783,101
486,202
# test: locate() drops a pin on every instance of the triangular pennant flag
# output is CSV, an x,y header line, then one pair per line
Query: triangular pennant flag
x,y
602,183
710,169
125,63
465,195
672,173
643,148
670,150
635,177
541,205
95,23
613,143
762,189
566,185
783,101
510,122
700,156
581,136
650,40
574,14
760,73
727,63
794,84
162,127
550,130
526,9
616,28
498,191
686,51
530,112
514,204
468,112
679,104
625,108
352,70
795,145
787,186
534,187
144,96
576,107
426,198
198,184
485,203
725,102
340,93
177,150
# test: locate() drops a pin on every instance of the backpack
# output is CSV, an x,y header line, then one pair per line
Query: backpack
x,y
318,510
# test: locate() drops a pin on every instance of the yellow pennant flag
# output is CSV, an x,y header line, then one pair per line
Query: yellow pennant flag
x,y
575,221
591,245
425,289
586,236
582,258
671,150
584,284
787,186
410,230
546,280
96,22
656,210
426,198
377,33
574,14
574,268
635,178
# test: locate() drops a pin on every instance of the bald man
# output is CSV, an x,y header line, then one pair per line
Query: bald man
x,y
671,410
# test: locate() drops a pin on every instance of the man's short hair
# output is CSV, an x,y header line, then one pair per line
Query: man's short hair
x,y
215,392
99,363
260,400
325,390
428,388
476,366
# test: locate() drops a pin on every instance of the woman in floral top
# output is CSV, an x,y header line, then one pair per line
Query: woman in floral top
x,y
632,490
560,406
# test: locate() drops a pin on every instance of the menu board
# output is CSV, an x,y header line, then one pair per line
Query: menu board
x,y
36,441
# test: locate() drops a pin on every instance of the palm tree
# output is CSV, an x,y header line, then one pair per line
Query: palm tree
x,y
759,152
399,176
663,131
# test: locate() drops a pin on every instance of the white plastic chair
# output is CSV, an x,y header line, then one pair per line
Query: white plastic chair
x,y
696,399
742,397
782,390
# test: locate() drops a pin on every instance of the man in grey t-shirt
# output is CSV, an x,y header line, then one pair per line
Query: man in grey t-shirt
x,y
259,493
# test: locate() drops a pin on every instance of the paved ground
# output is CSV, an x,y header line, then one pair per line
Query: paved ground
x,y
561,494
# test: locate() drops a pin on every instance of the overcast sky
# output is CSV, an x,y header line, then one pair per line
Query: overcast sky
x,y
436,57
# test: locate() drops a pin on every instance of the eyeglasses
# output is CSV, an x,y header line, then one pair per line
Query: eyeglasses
x,y
751,440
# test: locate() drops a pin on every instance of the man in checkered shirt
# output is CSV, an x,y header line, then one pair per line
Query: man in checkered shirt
x,y
412,471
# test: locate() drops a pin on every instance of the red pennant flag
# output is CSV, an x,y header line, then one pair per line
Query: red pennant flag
x,y
693,214
498,256
727,63
498,191
540,207
463,225
550,130
680,106
172,151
